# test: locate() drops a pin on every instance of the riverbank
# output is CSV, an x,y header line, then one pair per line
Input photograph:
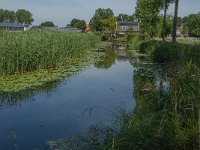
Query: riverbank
x,y
167,94
166,89
42,57
70,106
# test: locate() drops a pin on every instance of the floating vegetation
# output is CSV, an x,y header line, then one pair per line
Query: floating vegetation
x,y
29,60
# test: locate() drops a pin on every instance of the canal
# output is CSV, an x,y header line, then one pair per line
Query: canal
x,y
87,98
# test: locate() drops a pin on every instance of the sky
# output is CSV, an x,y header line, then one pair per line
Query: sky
x,y
61,12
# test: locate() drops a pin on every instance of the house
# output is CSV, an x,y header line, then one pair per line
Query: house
x,y
127,26
87,28
12,26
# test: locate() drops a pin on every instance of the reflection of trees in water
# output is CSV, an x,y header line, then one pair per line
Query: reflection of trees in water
x,y
115,52
15,98
107,60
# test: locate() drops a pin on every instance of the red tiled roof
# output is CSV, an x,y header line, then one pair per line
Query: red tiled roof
x,y
87,28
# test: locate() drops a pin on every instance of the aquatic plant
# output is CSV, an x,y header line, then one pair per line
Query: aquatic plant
x,y
164,119
28,51
165,52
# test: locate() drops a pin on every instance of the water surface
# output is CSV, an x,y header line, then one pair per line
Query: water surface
x,y
85,99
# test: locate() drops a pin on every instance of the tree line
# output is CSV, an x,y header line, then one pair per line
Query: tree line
x,y
150,19
21,15
152,22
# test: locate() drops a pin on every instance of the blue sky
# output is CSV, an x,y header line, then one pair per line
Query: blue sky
x,y
62,11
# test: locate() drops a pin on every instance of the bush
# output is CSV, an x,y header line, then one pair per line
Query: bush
x,y
164,52
134,40
105,37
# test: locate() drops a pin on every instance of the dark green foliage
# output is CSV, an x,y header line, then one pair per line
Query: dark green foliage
x,y
125,17
164,52
192,24
47,24
105,37
100,14
134,40
147,13
165,118
80,24
24,16
7,15
21,15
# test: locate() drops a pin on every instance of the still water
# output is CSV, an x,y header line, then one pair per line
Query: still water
x,y
88,98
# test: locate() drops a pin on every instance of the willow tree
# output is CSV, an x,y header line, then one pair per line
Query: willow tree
x,y
147,12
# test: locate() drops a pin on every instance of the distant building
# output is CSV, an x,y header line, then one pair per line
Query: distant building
x,y
128,26
87,29
69,29
63,29
12,26
49,28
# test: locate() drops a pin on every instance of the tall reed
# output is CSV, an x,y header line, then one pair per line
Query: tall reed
x,y
28,51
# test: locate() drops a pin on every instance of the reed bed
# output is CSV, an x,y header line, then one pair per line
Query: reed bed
x,y
167,115
28,51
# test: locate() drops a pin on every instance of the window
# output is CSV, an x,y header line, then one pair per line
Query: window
x,y
123,27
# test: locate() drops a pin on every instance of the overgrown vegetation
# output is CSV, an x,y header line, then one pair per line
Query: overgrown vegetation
x,y
134,40
31,59
166,88
165,52
167,113
29,51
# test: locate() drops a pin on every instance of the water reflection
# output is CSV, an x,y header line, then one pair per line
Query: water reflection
x,y
11,99
107,60
111,55
54,111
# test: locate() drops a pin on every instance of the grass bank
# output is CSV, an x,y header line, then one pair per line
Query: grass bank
x,y
168,105
168,100
166,52
31,59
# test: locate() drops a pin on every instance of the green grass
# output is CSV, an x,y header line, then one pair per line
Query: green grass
x,y
165,52
29,60
28,51
164,118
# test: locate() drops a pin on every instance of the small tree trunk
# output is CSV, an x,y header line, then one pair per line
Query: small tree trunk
x,y
164,22
175,21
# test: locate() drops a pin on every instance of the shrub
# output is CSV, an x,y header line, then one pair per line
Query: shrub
x,y
134,40
164,52
105,37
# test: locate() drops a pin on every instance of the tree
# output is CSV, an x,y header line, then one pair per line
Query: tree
x,y
109,24
175,21
147,13
73,22
165,5
7,15
24,16
80,24
100,14
47,24
125,17
191,24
